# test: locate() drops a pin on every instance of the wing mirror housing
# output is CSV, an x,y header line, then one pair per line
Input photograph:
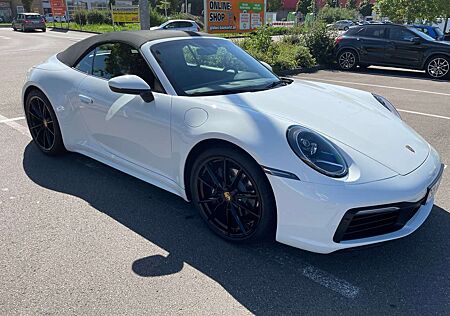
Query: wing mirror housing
x,y
131,84
266,65
416,40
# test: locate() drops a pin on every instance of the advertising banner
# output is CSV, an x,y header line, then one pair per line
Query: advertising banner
x,y
58,7
129,14
234,16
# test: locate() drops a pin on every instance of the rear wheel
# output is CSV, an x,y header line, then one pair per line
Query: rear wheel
x,y
233,195
347,59
44,30
43,124
438,67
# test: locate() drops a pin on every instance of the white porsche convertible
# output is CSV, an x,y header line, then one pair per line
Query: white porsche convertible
x,y
316,166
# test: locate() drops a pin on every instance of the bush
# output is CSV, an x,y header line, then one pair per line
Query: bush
x,y
80,17
156,18
98,17
280,55
330,15
320,42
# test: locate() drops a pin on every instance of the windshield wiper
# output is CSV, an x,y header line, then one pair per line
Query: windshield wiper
x,y
221,92
275,84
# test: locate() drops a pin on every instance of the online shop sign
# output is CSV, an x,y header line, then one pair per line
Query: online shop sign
x,y
234,16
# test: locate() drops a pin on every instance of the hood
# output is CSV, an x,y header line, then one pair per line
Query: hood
x,y
345,115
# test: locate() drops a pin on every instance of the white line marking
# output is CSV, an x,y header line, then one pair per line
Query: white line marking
x,y
12,119
331,282
425,114
5,37
20,128
375,85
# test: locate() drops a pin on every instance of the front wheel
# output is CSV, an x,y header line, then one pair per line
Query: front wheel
x,y
43,124
438,67
233,195
347,59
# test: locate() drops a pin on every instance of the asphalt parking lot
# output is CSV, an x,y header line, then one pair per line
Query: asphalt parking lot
x,y
77,237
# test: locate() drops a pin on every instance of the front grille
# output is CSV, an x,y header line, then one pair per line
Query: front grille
x,y
375,220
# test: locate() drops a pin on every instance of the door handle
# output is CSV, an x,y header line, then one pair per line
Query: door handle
x,y
85,99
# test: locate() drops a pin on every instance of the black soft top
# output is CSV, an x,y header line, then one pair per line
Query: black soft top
x,y
136,39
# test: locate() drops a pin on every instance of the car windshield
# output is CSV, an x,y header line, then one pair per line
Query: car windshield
x,y
421,34
33,17
210,66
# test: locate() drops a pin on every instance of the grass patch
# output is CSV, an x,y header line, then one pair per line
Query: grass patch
x,y
5,24
98,28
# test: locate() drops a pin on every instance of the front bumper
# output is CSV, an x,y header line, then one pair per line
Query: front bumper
x,y
309,214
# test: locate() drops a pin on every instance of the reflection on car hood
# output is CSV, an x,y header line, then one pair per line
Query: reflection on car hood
x,y
349,116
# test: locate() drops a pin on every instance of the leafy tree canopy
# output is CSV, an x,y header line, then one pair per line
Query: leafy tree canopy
x,y
409,11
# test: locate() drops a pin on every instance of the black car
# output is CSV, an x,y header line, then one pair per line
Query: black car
x,y
394,46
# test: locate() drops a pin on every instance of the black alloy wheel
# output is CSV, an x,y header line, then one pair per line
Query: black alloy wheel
x,y
347,60
233,195
43,124
438,67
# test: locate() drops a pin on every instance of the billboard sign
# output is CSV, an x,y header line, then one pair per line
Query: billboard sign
x,y
128,14
234,16
58,7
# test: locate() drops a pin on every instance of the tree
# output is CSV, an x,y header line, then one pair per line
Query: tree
x,y
365,8
27,5
273,5
409,11
304,6
351,4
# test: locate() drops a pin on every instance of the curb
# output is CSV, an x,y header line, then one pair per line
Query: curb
x,y
58,29
296,71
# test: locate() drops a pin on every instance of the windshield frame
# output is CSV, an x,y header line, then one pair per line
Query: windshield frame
x,y
166,82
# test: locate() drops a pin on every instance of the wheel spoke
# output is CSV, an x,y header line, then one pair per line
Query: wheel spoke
x,y
212,215
245,209
236,218
206,182
237,179
224,182
48,138
212,176
206,201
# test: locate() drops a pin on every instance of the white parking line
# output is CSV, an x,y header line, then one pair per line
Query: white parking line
x,y
12,123
425,114
12,119
375,85
331,282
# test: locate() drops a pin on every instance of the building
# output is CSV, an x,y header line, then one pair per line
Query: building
x,y
10,8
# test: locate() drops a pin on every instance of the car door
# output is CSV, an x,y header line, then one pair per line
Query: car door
x,y
405,47
373,43
125,126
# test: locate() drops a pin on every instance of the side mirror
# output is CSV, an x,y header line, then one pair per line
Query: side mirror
x,y
416,40
131,84
266,65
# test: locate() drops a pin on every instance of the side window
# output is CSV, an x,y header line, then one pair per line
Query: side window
x,y
85,64
400,34
374,32
171,25
185,24
117,59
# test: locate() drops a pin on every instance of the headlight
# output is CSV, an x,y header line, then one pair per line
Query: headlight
x,y
388,105
317,151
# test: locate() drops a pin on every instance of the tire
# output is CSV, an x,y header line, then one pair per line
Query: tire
x,y
347,59
241,208
44,30
438,67
43,124
14,29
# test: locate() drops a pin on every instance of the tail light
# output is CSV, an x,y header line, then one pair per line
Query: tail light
x,y
338,40
42,20
198,28
27,21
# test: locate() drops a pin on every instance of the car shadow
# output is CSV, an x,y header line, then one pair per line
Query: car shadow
x,y
410,274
